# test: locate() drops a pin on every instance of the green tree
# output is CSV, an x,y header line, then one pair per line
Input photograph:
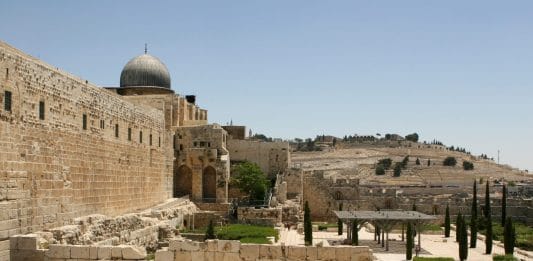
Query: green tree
x,y
308,225
449,161
339,222
463,241
488,220
412,137
417,162
380,170
249,178
447,222
473,218
467,165
355,234
386,163
397,169
509,236
210,232
458,227
405,161
504,205
410,242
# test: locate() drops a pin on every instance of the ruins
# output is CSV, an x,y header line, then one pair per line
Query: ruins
x,y
99,173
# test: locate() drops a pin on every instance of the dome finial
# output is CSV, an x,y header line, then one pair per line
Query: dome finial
x,y
145,48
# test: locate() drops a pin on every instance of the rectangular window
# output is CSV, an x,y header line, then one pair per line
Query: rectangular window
x,y
84,121
140,137
102,124
41,110
160,141
195,144
150,139
7,101
116,130
7,73
129,134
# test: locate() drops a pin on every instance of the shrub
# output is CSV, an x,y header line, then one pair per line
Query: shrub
x,y
386,163
397,169
504,258
405,161
380,170
210,232
412,137
467,165
449,161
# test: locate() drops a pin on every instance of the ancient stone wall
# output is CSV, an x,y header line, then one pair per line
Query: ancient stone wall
x,y
272,157
202,162
235,251
260,216
69,148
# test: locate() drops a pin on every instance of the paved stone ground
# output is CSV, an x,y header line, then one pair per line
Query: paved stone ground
x,y
432,245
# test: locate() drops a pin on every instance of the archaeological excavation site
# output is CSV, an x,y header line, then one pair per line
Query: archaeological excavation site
x,y
138,172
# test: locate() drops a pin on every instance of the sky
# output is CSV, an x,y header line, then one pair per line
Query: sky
x,y
460,72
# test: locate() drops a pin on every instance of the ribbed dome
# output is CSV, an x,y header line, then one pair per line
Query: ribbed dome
x,y
145,71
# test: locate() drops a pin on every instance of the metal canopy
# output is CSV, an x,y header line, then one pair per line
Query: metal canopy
x,y
383,215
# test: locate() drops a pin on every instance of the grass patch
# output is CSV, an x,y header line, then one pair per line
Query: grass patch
x,y
504,258
433,259
524,235
431,227
247,233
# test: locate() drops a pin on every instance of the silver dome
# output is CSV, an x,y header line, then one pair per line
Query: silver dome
x,y
145,71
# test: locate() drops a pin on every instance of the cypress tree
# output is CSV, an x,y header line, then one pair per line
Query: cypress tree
x,y
488,217
339,222
509,236
308,226
410,243
458,227
473,219
463,241
447,222
504,205
355,234
210,232
414,229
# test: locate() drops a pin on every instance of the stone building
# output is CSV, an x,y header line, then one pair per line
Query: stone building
x,y
69,148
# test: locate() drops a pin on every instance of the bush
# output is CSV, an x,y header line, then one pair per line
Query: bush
x,y
398,169
467,165
450,161
247,233
433,259
386,163
380,170
405,161
504,258
412,137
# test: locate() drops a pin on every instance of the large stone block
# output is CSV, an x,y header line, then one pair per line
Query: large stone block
x,y
28,242
93,252
311,252
104,252
116,252
296,253
164,255
133,252
249,252
270,252
232,246
182,256
81,252
326,253
343,253
212,245
58,251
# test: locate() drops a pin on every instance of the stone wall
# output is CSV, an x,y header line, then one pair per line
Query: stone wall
x,y
260,216
272,157
226,250
70,163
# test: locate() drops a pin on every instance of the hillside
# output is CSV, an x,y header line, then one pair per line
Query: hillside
x,y
360,162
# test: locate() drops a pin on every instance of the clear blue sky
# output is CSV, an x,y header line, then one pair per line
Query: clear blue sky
x,y
457,71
